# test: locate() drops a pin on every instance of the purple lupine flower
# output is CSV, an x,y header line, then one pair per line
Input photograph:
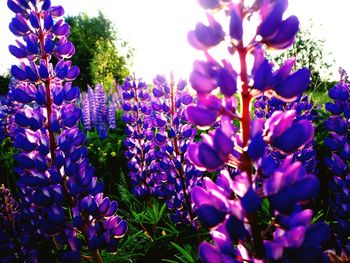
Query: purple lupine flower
x,y
139,143
14,231
175,175
56,179
249,177
8,108
97,110
92,103
265,107
3,120
85,111
111,115
204,37
338,143
101,110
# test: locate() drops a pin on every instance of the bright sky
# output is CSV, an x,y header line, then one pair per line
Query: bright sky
x,y
157,29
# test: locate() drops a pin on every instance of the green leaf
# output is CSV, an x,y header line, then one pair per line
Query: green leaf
x,y
184,252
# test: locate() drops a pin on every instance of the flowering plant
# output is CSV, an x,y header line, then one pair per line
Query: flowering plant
x,y
231,206
58,189
338,162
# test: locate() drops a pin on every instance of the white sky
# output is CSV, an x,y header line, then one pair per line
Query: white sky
x,y
157,29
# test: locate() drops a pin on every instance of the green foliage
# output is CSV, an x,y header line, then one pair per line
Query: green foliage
x,y
186,254
107,66
99,51
320,97
7,164
309,52
4,83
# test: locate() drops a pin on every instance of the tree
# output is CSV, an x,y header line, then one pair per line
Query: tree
x,y
98,50
309,52
105,62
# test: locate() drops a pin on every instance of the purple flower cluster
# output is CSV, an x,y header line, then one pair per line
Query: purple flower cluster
x,y
139,141
265,107
58,189
338,142
157,142
257,213
175,176
8,108
97,109
3,120
14,231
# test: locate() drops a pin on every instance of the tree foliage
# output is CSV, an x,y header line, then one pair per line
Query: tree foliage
x,y
101,55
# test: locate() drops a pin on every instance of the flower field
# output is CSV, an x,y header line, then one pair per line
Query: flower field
x,y
235,164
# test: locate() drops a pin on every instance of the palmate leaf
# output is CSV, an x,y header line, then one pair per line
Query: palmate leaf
x,y
128,251
155,213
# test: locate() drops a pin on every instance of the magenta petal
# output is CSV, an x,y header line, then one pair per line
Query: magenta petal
x,y
104,206
283,72
120,229
112,208
73,72
192,154
200,116
294,237
263,76
236,28
297,135
209,35
209,215
294,85
307,188
202,83
209,157
272,22
18,73
62,30
209,4
14,6
222,143
208,253
286,34
65,48
302,218
199,196
17,52
227,82
274,249
192,39
57,11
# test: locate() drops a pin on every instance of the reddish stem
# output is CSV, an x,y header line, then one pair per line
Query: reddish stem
x,y
48,96
95,253
246,160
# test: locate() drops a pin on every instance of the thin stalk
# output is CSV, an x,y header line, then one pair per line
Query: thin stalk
x,y
48,94
247,166
96,256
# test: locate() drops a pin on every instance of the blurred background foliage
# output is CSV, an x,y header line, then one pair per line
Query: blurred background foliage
x,y
102,55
